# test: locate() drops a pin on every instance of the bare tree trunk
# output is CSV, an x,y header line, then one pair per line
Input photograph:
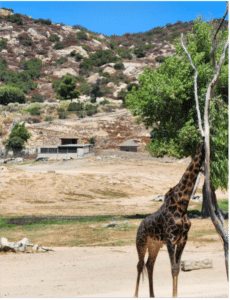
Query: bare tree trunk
x,y
216,216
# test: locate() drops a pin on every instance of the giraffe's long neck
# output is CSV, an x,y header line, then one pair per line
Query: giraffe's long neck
x,y
182,192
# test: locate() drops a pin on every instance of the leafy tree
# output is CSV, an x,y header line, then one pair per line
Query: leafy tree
x,y
10,94
18,137
96,91
67,88
81,35
165,100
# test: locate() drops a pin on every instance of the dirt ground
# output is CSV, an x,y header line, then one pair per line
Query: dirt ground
x,y
91,187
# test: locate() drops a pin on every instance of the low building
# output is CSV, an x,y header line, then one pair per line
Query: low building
x,y
129,146
69,148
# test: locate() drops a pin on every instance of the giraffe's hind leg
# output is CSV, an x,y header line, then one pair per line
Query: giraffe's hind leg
x,y
141,250
153,248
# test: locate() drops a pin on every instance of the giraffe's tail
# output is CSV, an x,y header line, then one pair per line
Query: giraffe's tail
x,y
144,272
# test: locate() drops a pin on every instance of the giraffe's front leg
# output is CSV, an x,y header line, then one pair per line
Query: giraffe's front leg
x,y
174,266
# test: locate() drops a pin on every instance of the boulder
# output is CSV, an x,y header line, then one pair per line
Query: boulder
x,y
65,71
111,224
93,78
110,70
189,265
19,159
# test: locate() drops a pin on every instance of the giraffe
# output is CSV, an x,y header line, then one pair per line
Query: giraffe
x,y
169,225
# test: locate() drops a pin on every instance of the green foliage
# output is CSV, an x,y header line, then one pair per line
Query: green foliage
x,y
43,21
37,98
78,56
92,140
104,102
10,94
62,113
16,18
3,43
84,89
9,9
18,137
59,46
119,66
165,100
32,67
27,42
79,27
41,52
160,59
67,86
90,109
53,38
81,35
49,118
75,106
60,61
34,110
96,91
223,204
131,85
139,52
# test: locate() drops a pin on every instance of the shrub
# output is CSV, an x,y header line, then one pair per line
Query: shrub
x,y
59,46
73,53
9,9
92,140
90,109
84,89
104,102
79,27
75,106
16,18
78,56
43,21
60,61
10,94
139,52
96,91
42,52
126,55
18,137
3,43
62,113
81,35
16,144
34,110
130,86
105,74
67,86
122,94
37,98
53,38
49,118
27,42
119,66
160,59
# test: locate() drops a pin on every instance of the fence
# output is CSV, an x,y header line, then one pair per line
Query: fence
x,y
26,153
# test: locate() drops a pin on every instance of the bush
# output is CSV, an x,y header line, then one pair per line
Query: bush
x,y
104,102
53,38
32,67
37,98
34,110
60,61
10,94
62,113
3,43
49,118
75,106
119,66
16,144
84,89
78,56
139,52
160,59
42,52
27,42
43,21
92,140
130,86
79,27
90,109
81,35
59,46
18,137
9,9
16,18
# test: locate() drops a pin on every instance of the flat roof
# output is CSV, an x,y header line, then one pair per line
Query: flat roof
x,y
67,145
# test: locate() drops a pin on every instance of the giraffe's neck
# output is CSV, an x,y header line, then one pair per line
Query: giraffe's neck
x,y
182,192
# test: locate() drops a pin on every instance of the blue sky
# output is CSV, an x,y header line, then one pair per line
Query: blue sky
x,y
118,17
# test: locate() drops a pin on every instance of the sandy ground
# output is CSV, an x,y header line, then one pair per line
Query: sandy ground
x,y
108,272
81,188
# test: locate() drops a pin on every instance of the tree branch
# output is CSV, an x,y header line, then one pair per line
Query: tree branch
x,y
195,87
214,37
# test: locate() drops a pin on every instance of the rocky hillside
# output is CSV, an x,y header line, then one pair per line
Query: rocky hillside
x,y
111,63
